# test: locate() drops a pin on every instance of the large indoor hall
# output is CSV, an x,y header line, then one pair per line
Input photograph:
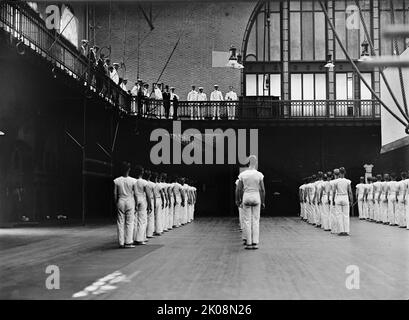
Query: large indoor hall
x,y
195,150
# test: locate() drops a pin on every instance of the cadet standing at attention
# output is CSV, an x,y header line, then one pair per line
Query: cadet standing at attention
x,y
342,198
377,189
333,217
252,197
142,193
124,198
359,193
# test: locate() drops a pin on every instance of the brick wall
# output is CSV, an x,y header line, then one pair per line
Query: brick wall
x,y
206,27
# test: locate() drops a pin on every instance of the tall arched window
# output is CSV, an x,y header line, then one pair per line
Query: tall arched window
x,y
69,25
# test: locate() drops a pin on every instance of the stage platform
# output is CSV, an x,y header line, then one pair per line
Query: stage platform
x,y
206,260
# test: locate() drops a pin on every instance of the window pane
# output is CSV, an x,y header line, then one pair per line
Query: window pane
x,y
295,36
320,23
320,86
307,36
275,85
350,85
340,28
251,85
275,38
296,93
260,37
341,86
295,5
365,93
308,86
263,82
386,44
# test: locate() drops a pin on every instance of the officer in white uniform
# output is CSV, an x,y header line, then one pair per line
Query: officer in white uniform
x,y
173,97
333,217
343,198
231,97
360,193
125,202
142,193
215,96
193,106
251,197
391,191
202,106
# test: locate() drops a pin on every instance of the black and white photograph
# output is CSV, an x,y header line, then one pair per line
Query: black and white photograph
x,y
215,152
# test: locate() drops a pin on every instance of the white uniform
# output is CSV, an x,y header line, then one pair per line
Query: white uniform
x,y
318,207
185,189
400,205
193,107
301,192
202,108
216,95
377,188
158,207
360,188
141,210
151,215
407,203
124,187
325,222
114,76
178,207
384,203
392,202
342,203
370,202
251,179
333,220
231,97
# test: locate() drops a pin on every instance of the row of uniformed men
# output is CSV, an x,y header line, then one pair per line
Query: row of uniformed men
x,y
325,201
150,205
384,200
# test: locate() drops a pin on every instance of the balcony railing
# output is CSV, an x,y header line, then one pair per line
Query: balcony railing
x,y
250,109
28,30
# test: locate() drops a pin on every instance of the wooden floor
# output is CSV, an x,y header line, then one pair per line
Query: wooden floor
x,y
206,260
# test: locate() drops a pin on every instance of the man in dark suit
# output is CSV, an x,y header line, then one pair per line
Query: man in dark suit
x,y
166,101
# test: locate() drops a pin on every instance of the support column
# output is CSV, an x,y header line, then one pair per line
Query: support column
x,y
331,51
285,43
376,43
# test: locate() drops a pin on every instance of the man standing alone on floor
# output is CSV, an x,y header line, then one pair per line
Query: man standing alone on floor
x,y
251,197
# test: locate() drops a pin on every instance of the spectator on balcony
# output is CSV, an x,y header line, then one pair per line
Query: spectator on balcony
x,y
100,73
192,98
166,101
145,97
231,97
216,97
123,85
175,102
114,73
84,47
136,88
201,97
